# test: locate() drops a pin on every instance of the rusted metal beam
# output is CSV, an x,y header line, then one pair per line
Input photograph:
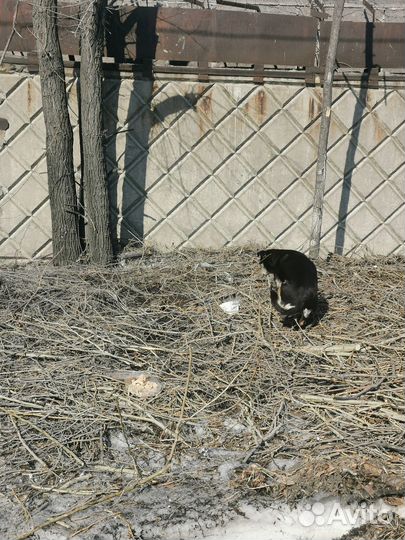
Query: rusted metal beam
x,y
245,5
180,34
367,45
233,36
23,38
311,76
138,34
258,76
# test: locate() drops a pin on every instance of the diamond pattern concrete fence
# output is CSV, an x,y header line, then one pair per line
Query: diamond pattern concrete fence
x,y
218,164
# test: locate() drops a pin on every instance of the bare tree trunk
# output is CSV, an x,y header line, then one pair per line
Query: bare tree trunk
x,y
59,135
97,207
314,242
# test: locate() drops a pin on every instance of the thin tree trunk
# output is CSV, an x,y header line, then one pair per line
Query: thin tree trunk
x,y
97,207
59,135
315,239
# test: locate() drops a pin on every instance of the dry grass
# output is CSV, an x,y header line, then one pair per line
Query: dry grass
x,y
329,398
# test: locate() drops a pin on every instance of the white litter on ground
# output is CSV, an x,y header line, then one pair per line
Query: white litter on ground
x,y
231,306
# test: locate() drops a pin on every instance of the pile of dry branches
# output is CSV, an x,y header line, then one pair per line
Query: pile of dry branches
x,y
328,400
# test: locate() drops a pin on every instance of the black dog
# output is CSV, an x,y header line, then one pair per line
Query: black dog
x,y
294,283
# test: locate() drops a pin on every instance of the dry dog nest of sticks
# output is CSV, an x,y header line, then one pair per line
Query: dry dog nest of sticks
x,y
325,403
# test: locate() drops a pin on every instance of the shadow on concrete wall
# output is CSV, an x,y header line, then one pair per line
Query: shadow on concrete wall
x,y
354,140
141,23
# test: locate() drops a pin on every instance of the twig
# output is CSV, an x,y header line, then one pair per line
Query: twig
x,y
343,349
369,388
13,31
124,432
95,501
25,445
183,405
275,429
48,436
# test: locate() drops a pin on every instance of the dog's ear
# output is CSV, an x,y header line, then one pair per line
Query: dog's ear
x,y
263,254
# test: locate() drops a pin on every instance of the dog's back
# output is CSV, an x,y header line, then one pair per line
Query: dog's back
x,y
295,282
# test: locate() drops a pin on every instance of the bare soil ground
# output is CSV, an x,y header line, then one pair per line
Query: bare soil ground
x,y
239,409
